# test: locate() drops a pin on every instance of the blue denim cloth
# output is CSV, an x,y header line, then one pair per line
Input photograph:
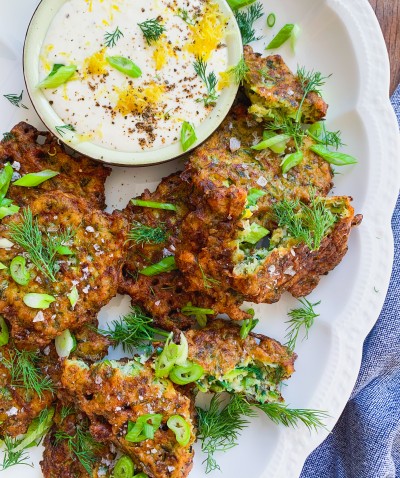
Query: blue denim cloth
x,y
365,442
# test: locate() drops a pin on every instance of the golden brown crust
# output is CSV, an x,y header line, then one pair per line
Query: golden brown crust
x,y
114,393
29,150
272,86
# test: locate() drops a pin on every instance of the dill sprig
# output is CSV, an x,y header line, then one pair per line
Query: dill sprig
x,y
133,331
311,81
8,136
305,223
82,445
327,138
16,100
11,457
42,250
25,372
152,30
210,80
220,426
110,39
239,71
61,130
280,413
66,410
289,127
184,14
208,281
300,317
142,234
246,19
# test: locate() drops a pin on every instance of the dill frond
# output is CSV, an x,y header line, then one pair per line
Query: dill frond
x,y
110,39
220,426
142,234
8,136
246,19
239,71
61,130
42,250
66,411
280,413
16,100
210,80
184,14
25,372
300,317
133,331
11,457
152,30
311,81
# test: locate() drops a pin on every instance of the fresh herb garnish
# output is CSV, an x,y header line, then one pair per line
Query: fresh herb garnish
x,y
16,100
59,75
208,281
133,331
248,325
318,133
152,30
66,410
11,457
42,250
25,373
210,80
154,204
110,39
61,130
124,65
311,82
302,317
142,234
199,312
188,135
305,223
246,20
333,157
184,14
288,31
165,265
8,136
271,19
82,445
220,426
239,71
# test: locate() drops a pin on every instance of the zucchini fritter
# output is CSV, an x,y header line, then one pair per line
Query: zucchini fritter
x,y
275,91
29,150
254,366
112,394
94,267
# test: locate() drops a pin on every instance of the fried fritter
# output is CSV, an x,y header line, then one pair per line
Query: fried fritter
x,y
254,366
164,295
18,404
64,443
275,91
112,394
29,150
96,244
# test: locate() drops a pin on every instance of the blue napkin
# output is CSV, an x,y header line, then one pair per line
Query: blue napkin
x,y
365,442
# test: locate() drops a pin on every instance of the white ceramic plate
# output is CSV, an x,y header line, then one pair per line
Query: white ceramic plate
x,y
338,37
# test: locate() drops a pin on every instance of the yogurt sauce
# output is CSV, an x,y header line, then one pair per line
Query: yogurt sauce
x,y
112,110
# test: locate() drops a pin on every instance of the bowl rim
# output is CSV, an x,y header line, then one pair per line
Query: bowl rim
x,y
33,41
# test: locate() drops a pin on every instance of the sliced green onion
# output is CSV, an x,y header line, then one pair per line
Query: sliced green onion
x,y
154,204
124,65
136,431
34,179
18,270
236,4
124,468
281,37
191,310
271,19
141,475
6,202
59,75
294,37
248,325
64,251
188,135
183,350
277,143
254,195
4,333
338,159
73,297
65,344
171,355
181,428
3,266
5,243
8,210
291,160
36,430
253,233
5,179
165,265
38,301
188,373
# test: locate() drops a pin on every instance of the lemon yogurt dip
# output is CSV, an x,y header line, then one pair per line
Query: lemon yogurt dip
x,y
143,68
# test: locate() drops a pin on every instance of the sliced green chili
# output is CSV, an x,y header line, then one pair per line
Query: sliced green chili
x,y
181,428
188,373
124,468
271,19
18,270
